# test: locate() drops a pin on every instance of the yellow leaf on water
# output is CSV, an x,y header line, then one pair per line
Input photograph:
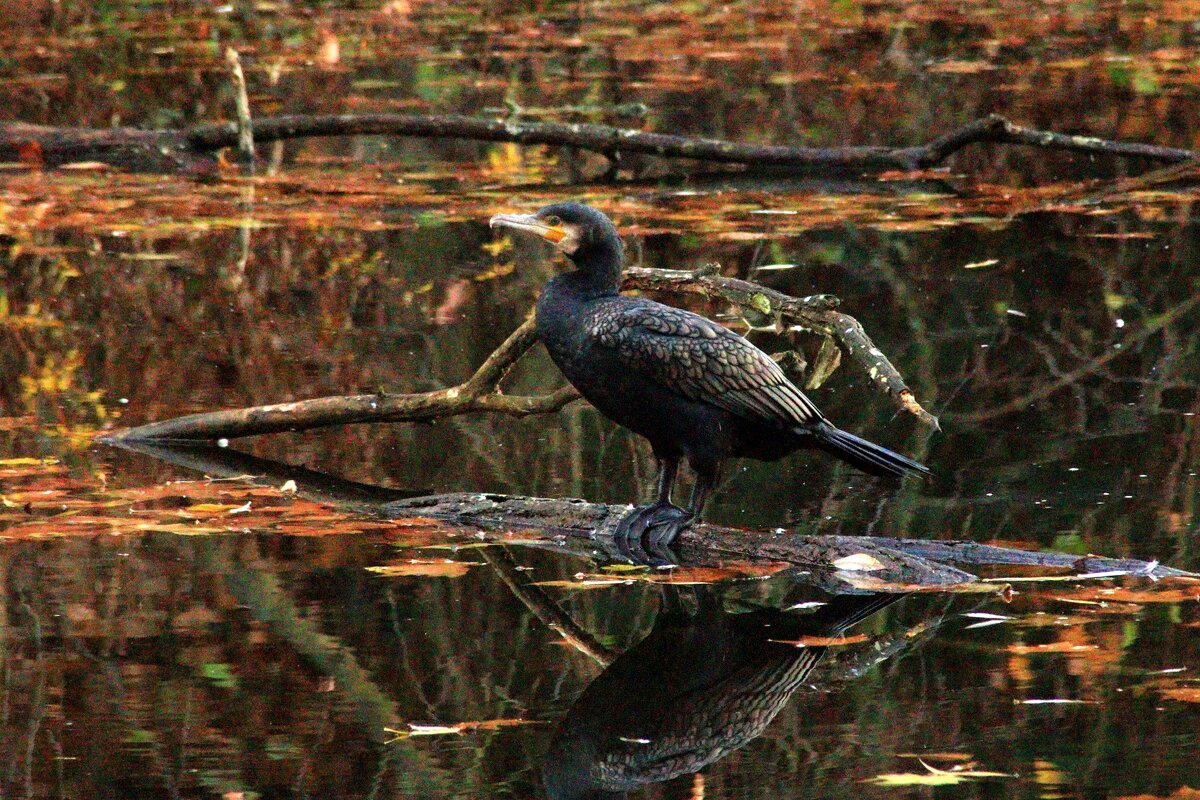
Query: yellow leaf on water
x,y
180,528
1185,694
458,728
1049,647
584,584
934,777
210,508
27,462
428,569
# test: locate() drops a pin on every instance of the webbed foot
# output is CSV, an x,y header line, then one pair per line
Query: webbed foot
x,y
659,523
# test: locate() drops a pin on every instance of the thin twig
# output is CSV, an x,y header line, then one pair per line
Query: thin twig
x,y
245,129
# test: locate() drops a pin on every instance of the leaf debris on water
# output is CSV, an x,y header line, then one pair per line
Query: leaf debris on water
x,y
934,776
456,729
1054,701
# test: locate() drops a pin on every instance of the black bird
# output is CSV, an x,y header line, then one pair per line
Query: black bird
x,y
696,688
694,388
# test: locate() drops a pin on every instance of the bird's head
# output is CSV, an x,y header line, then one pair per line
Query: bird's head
x,y
579,231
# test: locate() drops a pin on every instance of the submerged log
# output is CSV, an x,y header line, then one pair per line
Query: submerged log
x,y
581,528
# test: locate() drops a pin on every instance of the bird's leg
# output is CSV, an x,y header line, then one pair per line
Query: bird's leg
x,y
663,531
668,468
629,532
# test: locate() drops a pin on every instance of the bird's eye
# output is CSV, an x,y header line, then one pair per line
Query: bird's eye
x,y
554,221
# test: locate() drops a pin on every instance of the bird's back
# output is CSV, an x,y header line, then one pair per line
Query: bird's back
x,y
672,375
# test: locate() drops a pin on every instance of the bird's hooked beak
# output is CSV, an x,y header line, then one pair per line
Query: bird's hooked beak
x,y
530,223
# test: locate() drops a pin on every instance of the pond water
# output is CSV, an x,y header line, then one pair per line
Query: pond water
x,y
190,632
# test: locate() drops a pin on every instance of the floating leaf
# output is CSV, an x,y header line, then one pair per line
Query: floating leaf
x,y
1054,701
934,777
458,728
626,568
1185,694
584,584
210,508
823,641
429,569
1050,647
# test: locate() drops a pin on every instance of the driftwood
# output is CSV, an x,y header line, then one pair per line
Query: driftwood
x,y
173,149
817,313
581,528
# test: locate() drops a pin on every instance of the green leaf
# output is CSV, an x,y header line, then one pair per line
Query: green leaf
x,y
760,303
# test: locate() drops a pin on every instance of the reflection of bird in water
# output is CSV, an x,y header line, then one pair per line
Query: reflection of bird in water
x,y
692,387
695,689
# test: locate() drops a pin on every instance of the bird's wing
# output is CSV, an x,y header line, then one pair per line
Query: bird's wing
x,y
703,361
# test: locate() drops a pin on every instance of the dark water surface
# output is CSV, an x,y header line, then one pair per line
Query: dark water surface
x,y
161,638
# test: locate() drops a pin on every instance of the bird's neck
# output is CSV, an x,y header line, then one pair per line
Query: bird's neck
x,y
597,271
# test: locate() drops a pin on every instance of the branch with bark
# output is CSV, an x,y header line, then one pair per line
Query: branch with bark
x,y
481,392
173,149
577,527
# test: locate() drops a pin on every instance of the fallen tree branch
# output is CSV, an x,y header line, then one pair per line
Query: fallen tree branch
x,y
478,393
170,149
912,563
817,313
481,393
585,529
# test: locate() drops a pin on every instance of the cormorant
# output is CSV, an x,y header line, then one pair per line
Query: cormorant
x,y
696,688
693,387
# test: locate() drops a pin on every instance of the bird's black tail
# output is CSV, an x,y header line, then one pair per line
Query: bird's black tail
x,y
867,456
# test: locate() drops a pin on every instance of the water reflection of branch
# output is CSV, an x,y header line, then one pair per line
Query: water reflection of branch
x,y
544,608
1067,379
